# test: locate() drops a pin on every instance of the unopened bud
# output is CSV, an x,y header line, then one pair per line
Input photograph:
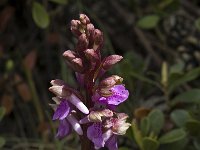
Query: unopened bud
x,y
91,54
75,27
69,55
89,29
110,61
84,19
77,64
60,91
98,39
111,81
82,43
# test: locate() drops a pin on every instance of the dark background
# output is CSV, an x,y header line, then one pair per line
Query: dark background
x,y
151,35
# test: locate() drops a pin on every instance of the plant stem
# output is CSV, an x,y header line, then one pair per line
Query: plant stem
x,y
34,94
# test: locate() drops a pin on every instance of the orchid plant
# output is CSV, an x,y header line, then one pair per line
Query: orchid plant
x,y
90,110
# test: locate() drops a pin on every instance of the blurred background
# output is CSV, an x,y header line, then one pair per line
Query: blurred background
x,y
160,43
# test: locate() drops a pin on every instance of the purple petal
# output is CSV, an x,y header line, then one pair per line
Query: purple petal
x,y
64,129
62,110
79,104
75,124
111,144
94,133
120,94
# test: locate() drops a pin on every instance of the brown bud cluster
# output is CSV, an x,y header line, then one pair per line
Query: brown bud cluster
x,y
85,59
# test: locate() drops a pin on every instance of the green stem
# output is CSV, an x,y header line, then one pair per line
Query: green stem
x,y
34,94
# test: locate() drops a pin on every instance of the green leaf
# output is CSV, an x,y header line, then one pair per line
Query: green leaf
x,y
179,145
62,2
137,134
189,76
197,24
2,142
144,126
144,79
156,118
173,136
177,68
148,22
40,15
2,112
191,96
193,126
179,117
150,144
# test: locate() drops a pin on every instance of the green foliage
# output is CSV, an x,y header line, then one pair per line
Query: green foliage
x,y
172,136
145,126
176,80
2,142
156,118
191,96
148,22
150,143
193,127
180,117
62,2
40,15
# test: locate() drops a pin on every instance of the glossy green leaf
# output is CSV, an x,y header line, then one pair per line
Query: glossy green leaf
x,y
156,119
62,2
2,142
40,15
172,136
191,96
144,126
180,117
193,127
2,112
150,144
189,76
148,22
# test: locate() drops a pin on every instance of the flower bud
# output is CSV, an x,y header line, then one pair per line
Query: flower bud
x,y
110,61
98,39
89,30
84,19
69,55
82,43
111,81
77,64
97,116
75,27
60,91
91,55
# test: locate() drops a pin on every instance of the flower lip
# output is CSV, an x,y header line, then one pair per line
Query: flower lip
x,y
119,95
62,110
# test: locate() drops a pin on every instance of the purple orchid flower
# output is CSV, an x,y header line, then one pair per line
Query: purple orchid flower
x,y
67,120
94,133
114,96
